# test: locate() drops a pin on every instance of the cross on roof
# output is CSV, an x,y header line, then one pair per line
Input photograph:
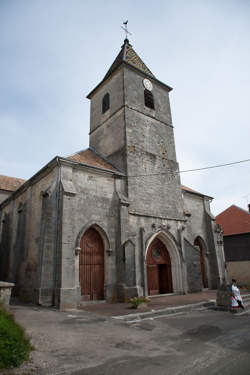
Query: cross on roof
x,y
125,28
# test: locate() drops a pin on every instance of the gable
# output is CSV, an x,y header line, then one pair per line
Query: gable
x,y
234,220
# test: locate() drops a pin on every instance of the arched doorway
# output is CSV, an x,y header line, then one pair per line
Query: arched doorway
x,y
198,243
159,274
92,266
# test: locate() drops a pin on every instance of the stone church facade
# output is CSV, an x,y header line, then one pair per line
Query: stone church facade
x,y
113,221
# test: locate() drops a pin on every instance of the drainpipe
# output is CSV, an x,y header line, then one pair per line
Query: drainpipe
x,y
145,289
181,228
57,242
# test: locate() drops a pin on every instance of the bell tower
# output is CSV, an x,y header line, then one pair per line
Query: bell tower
x,y
131,126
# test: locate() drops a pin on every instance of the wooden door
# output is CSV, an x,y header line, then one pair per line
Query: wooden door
x,y
159,275
202,265
92,266
153,279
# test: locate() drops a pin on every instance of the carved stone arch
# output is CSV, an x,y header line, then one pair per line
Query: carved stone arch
x,y
98,227
20,207
200,244
164,232
128,240
176,263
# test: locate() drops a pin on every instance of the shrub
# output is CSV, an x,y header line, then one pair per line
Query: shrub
x,y
14,346
136,301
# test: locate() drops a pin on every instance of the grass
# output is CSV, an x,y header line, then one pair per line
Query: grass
x,y
14,345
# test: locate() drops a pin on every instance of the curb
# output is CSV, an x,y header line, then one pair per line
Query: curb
x,y
175,310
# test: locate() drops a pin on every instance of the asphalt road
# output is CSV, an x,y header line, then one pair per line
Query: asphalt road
x,y
81,343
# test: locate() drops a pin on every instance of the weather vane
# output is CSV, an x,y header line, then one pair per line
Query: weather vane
x,y
125,28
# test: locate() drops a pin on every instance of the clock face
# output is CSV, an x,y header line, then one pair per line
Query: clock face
x,y
147,84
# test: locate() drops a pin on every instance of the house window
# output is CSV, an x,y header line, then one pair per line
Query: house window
x,y
149,99
105,103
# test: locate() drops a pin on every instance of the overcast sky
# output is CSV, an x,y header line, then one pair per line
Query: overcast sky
x,y
54,52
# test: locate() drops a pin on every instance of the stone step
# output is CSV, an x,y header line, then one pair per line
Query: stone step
x,y
176,310
246,310
246,297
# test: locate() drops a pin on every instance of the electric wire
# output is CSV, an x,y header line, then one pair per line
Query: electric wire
x,y
191,170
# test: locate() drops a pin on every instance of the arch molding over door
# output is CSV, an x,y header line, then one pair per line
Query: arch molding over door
x,y
159,274
92,266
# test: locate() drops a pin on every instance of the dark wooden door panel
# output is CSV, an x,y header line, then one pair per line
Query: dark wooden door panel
x,y
165,278
153,280
92,266
159,275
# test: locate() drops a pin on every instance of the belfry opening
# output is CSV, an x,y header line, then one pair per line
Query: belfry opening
x,y
159,273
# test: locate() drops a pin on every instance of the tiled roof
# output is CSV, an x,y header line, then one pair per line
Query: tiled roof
x,y
190,190
234,220
10,183
91,158
128,55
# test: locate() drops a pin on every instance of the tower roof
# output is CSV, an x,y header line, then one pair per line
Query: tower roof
x,y
129,56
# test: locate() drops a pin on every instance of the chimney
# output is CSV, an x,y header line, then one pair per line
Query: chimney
x,y
248,207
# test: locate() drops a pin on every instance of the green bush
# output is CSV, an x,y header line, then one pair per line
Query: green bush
x,y
14,346
136,301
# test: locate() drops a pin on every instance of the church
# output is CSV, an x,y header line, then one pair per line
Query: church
x,y
113,221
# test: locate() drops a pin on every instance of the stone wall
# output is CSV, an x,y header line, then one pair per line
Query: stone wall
x,y
4,194
196,227
107,130
137,232
201,224
89,199
20,236
194,277
153,178
239,271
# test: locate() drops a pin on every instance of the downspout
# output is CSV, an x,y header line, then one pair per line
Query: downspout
x,y
57,241
143,263
212,241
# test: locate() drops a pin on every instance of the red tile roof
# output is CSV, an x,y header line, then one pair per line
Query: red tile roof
x,y
190,190
234,220
10,183
89,157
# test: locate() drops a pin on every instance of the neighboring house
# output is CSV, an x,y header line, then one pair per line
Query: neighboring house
x,y
112,222
235,223
8,185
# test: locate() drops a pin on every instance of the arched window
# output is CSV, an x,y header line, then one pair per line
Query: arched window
x,y
105,103
149,99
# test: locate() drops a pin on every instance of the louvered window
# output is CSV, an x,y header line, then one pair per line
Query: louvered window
x,y
105,103
149,99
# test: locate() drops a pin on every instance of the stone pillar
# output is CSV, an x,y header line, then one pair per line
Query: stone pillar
x,y
5,292
67,292
223,296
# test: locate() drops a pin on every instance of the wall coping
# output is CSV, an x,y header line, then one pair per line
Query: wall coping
x,y
4,284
